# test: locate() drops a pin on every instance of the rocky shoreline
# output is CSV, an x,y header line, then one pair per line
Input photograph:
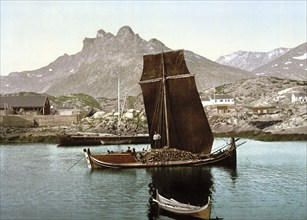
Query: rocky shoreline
x,y
50,135
274,127
288,122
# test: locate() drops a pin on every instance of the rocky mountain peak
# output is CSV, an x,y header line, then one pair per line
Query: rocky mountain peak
x,y
92,70
100,33
125,32
88,43
155,41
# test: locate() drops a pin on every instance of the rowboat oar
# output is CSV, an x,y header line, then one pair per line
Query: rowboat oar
x,y
76,163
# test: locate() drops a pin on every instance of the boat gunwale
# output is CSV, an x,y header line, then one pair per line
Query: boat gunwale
x,y
228,152
177,203
183,208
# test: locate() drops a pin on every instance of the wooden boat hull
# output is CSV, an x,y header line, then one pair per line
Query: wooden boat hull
x,y
87,140
127,160
178,208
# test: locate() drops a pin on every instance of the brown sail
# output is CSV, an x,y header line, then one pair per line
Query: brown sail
x,y
169,91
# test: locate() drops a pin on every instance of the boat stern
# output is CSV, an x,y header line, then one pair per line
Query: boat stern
x,y
87,157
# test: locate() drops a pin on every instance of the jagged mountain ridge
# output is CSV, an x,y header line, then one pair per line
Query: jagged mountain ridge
x,y
95,69
250,60
282,62
291,65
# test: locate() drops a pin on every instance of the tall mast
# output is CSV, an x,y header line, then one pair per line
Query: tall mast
x,y
165,100
118,103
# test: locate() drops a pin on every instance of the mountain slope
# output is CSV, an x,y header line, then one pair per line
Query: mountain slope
x,y
291,65
250,60
95,69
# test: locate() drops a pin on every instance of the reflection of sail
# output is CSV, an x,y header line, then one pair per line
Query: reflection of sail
x,y
186,184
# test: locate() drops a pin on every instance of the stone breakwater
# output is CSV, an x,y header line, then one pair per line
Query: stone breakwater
x,y
30,135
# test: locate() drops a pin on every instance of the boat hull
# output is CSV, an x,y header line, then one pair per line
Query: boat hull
x,y
178,208
124,160
87,140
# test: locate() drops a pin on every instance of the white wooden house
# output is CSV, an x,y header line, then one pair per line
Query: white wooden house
x,y
299,97
223,99
222,103
218,100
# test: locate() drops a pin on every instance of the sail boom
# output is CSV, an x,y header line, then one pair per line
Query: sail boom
x,y
151,80
168,77
180,76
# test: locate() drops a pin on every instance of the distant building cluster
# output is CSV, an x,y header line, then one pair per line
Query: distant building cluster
x,y
40,105
226,104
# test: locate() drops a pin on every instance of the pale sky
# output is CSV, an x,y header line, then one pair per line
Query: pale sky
x,y
35,33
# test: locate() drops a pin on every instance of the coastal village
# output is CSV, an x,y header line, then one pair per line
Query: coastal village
x,y
35,117
133,110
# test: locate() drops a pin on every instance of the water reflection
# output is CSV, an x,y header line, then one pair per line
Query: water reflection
x,y
232,172
186,184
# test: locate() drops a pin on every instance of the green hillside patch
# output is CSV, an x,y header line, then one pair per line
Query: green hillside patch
x,y
79,100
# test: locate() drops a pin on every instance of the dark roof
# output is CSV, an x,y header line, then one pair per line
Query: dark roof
x,y
205,99
301,94
218,96
23,101
261,107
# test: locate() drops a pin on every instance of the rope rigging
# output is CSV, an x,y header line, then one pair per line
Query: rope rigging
x,y
156,125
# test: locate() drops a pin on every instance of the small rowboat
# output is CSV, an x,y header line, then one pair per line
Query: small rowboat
x,y
179,208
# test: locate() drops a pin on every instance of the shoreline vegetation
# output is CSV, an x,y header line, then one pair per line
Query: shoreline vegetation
x,y
50,135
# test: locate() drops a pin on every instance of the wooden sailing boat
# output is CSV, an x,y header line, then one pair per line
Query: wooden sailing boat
x,y
179,208
173,105
175,116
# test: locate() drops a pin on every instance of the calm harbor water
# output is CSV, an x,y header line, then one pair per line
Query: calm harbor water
x,y
43,181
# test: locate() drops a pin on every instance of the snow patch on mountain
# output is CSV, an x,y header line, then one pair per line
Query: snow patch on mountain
x,y
302,57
